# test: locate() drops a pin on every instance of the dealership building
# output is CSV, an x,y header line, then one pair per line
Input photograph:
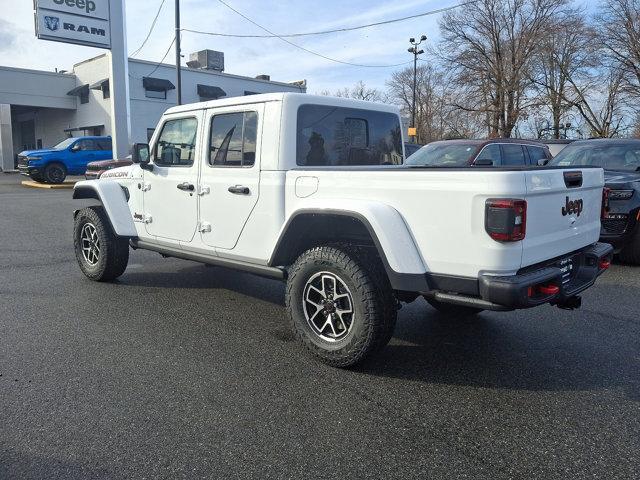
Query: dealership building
x,y
41,108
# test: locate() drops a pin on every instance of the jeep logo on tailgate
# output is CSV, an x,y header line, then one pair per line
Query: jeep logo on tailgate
x,y
572,206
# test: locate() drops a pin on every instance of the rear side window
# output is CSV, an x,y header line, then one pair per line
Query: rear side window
x,y
176,144
512,155
536,153
491,152
104,143
233,139
336,136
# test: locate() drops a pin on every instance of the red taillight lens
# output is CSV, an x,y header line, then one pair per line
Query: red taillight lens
x,y
604,263
605,202
505,219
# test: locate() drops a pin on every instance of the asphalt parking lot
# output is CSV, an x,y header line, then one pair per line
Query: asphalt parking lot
x,y
183,371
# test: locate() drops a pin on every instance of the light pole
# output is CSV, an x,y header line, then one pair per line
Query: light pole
x,y
414,50
178,73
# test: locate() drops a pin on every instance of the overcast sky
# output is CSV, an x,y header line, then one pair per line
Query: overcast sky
x,y
377,45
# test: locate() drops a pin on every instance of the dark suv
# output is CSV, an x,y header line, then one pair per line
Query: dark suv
x,y
497,152
621,162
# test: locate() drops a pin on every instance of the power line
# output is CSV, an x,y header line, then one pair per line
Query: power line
x,y
325,32
158,64
306,49
153,24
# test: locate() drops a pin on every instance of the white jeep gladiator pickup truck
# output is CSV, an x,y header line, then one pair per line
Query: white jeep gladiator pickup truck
x,y
313,191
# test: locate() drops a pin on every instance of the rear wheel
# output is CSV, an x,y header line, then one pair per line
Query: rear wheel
x,y
631,252
101,254
452,310
339,305
55,173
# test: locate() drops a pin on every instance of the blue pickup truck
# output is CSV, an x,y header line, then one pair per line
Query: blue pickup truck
x,y
69,157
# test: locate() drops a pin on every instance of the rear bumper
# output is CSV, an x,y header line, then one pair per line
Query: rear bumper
x,y
515,291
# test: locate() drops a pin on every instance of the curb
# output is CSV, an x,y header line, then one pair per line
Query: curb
x,y
50,186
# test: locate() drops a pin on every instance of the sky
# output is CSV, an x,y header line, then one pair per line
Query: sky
x,y
380,45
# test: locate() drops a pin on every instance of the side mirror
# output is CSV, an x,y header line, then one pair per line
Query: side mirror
x,y
140,154
483,162
75,147
542,162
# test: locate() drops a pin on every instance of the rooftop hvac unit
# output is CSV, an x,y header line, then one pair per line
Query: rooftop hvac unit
x,y
207,60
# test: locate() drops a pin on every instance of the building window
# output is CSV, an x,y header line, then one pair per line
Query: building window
x,y
247,92
106,93
156,94
150,133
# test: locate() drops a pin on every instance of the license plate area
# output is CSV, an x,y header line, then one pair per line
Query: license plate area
x,y
568,266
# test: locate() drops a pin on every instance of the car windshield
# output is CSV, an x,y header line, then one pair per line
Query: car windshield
x,y
443,154
612,157
64,144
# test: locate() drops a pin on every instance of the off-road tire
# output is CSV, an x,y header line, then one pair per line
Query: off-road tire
x,y
630,253
453,311
54,173
374,305
113,253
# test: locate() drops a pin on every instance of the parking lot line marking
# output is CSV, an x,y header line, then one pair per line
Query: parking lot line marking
x,y
32,184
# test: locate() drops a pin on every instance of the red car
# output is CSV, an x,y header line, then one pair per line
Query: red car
x,y
95,169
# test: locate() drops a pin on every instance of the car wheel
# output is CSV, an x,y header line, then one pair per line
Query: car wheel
x,y
339,305
451,310
101,254
55,173
630,253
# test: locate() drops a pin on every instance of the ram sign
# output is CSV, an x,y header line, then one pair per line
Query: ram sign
x,y
85,22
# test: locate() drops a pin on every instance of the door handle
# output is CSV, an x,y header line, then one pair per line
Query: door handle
x,y
239,190
186,186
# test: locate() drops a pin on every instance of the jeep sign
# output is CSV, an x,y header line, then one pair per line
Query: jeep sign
x,y
85,22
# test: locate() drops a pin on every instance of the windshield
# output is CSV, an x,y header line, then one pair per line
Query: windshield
x,y
443,154
612,157
64,144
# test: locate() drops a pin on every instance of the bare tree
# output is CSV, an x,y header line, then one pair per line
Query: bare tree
x,y
359,91
567,52
619,32
435,116
489,45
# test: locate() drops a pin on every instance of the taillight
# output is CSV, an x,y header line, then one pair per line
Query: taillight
x,y
505,219
605,203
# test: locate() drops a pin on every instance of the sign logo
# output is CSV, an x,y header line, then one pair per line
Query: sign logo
x,y
52,23
572,206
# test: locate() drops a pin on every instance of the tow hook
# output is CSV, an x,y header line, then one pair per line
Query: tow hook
x,y
570,303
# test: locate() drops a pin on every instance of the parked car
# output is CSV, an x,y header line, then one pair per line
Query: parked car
x,y
96,169
411,148
557,145
621,162
312,190
69,157
495,152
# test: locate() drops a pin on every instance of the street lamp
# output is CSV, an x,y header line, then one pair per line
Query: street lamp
x,y
414,50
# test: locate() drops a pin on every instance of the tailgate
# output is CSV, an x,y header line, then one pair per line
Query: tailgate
x,y
563,211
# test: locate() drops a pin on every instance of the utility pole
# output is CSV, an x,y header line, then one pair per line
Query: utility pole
x,y
178,73
414,50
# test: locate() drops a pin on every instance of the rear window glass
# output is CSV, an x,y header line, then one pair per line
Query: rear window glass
x,y
336,136
612,156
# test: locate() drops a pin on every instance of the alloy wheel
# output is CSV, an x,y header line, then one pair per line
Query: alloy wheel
x,y
328,306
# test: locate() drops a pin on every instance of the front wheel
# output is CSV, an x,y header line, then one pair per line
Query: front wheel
x,y
340,305
101,254
55,173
